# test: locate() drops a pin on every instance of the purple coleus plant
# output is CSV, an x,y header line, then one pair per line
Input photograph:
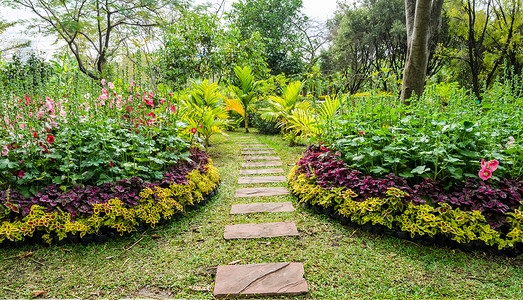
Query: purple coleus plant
x,y
79,199
494,200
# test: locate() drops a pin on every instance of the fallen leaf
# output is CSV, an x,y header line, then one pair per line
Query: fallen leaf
x,y
38,294
27,254
156,236
234,262
198,288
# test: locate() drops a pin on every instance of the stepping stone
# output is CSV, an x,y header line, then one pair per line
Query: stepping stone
x,y
261,207
241,137
256,149
252,144
260,230
260,171
261,164
260,192
258,152
264,179
262,158
273,279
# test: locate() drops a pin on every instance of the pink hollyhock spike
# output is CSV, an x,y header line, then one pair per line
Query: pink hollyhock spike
x,y
493,165
483,164
485,173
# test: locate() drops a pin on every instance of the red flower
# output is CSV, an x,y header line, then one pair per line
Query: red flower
x,y
201,126
111,163
193,131
21,174
35,135
50,139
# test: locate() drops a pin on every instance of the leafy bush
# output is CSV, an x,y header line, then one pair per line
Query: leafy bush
x,y
442,137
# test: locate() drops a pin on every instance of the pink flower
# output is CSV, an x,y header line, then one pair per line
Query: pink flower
x,y
170,94
132,82
193,131
104,91
173,108
361,132
491,165
103,82
201,126
485,173
110,85
162,101
21,174
111,164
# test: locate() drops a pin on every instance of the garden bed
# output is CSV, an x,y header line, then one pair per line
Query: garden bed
x,y
323,182
110,210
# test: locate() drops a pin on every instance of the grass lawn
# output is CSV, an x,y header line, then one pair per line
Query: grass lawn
x,y
179,260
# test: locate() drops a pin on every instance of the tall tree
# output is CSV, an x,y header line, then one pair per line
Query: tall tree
x,y
92,29
279,23
488,33
423,22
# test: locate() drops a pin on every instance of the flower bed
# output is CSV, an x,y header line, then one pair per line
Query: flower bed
x,y
114,208
492,218
78,166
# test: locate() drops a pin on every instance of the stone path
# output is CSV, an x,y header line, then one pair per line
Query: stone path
x,y
270,279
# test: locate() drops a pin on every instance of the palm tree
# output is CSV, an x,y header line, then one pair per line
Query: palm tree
x,y
245,93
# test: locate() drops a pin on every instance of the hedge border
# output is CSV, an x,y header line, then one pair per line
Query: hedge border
x,y
309,195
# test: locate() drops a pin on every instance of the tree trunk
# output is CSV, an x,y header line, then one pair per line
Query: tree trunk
x,y
423,21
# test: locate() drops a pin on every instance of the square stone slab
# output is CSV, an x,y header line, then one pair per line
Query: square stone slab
x,y
258,152
261,164
261,207
260,230
272,279
264,179
260,192
260,171
262,158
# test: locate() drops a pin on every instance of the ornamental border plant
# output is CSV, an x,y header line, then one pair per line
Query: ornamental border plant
x,y
155,204
389,205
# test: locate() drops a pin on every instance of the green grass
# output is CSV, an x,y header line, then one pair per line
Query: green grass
x,y
340,262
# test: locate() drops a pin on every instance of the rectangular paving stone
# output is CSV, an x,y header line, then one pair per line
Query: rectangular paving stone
x,y
260,230
256,149
256,152
251,144
250,157
261,171
241,137
261,164
272,279
264,179
260,192
261,207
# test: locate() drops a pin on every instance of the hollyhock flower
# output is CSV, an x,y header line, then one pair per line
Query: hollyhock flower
x,y
173,108
111,164
491,165
162,101
193,131
23,126
170,94
50,139
201,126
35,135
510,143
110,85
361,132
104,91
485,173
132,82
103,82
21,174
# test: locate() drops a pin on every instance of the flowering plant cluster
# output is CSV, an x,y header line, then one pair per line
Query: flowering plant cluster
x,y
321,177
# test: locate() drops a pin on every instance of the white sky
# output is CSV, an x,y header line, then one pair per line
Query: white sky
x,y
316,9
